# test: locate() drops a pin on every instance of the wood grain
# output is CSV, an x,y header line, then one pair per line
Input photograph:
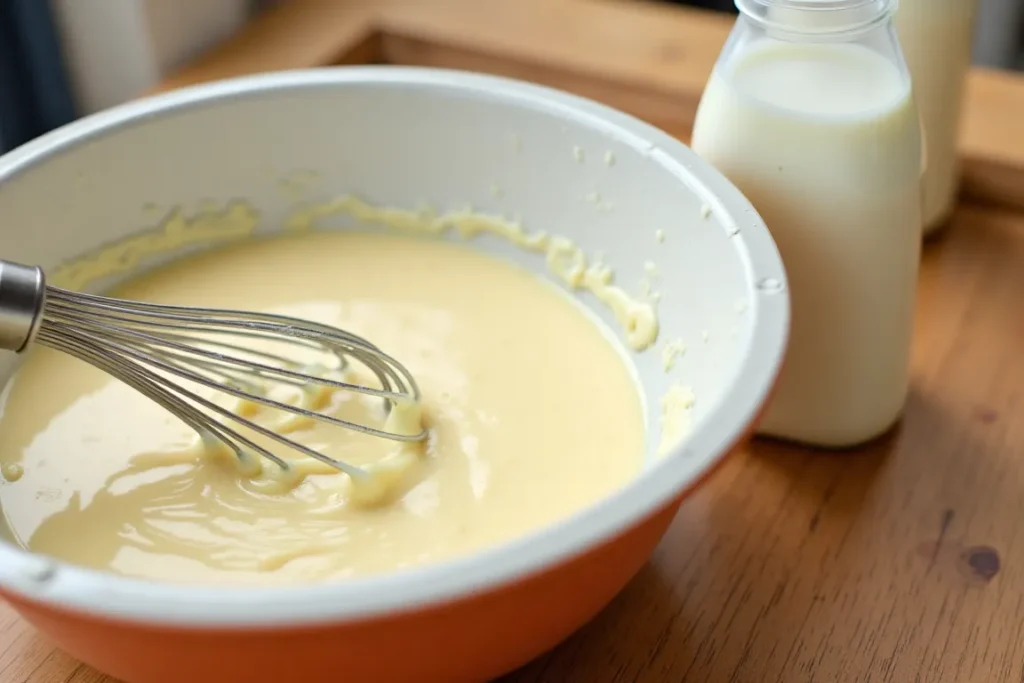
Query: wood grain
x,y
646,58
875,565
796,566
902,561
291,35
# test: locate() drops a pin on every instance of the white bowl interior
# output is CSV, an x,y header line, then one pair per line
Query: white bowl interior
x,y
409,137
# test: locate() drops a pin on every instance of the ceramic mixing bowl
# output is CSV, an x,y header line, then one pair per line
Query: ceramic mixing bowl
x,y
407,137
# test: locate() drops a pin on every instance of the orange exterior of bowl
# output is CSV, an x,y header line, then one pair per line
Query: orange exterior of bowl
x,y
470,640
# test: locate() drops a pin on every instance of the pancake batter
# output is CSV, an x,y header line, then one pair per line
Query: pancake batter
x,y
531,411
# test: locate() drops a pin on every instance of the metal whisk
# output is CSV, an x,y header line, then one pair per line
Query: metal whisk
x,y
147,345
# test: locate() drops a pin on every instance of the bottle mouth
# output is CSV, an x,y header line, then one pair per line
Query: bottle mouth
x,y
818,17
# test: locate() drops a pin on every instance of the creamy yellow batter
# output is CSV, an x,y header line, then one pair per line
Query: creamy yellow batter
x,y
532,414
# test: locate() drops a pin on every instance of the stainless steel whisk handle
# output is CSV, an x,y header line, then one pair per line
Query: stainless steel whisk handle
x,y
22,295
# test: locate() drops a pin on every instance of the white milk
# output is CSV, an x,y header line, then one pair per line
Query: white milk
x,y
936,38
824,139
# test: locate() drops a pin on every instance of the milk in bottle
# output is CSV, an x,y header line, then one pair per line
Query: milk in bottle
x,y
936,37
809,111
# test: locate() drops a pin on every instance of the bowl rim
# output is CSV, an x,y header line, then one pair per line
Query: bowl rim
x,y
65,586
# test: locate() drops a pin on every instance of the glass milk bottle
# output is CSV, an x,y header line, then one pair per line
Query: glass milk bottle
x,y
936,37
809,112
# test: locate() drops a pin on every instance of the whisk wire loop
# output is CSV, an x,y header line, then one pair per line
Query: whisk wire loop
x,y
147,346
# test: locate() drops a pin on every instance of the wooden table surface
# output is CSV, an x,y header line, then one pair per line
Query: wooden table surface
x,y
902,561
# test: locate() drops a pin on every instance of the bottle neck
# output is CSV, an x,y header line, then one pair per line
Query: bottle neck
x,y
818,19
